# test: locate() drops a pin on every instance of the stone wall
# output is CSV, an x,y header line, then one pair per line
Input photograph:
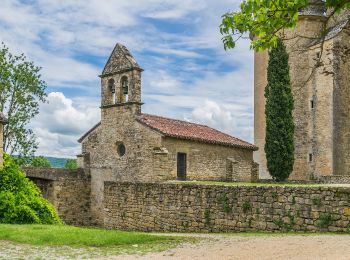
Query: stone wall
x,y
204,161
67,190
342,103
213,208
119,126
150,157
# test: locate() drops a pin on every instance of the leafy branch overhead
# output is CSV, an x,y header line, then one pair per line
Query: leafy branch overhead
x,y
265,18
21,90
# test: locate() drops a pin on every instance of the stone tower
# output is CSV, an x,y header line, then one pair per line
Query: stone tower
x,y
121,81
314,78
3,121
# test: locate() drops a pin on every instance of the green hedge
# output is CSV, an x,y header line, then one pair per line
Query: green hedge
x,y
21,201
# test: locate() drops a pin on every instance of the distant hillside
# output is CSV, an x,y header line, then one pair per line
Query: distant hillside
x,y
57,162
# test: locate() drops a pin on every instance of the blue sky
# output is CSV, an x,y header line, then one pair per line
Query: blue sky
x,y
188,75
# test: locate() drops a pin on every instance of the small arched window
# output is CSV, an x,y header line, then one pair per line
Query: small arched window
x,y
121,149
125,85
111,85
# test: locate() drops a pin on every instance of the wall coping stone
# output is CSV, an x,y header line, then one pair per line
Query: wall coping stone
x,y
55,173
322,187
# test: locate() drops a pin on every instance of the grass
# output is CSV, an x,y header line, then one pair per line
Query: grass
x,y
67,242
249,184
61,235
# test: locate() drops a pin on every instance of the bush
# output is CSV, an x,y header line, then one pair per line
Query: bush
x,y
20,200
71,164
40,161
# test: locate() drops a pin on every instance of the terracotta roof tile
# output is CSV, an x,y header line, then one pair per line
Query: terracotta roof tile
x,y
186,130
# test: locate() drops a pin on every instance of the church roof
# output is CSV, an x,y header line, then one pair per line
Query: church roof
x,y
3,119
120,60
89,132
191,131
186,130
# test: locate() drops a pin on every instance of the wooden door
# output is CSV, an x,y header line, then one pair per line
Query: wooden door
x,y
181,166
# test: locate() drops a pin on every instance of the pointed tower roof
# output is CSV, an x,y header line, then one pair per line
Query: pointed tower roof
x,y
119,61
316,8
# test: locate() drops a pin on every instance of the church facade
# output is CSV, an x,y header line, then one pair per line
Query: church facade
x,y
319,61
128,145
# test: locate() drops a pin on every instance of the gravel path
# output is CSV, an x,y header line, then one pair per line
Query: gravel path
x,y
261,247
211,247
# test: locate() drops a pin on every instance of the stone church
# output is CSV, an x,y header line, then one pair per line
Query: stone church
x,y
319,60
128,145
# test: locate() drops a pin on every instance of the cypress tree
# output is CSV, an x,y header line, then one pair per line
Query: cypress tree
x,y
279,142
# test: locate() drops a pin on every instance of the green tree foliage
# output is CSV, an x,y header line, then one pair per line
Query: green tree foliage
x,y
71,164
20,200
279,145
40,161
21,90
264,18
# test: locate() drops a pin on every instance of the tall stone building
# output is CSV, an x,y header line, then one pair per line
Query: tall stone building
x,y
3,121
319,60
128,145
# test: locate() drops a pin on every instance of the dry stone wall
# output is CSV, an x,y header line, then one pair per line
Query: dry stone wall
x,y
204,161
212,208
67,190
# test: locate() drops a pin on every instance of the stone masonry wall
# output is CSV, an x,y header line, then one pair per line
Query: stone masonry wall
x,y
67,190
196,208
118,126
204,161
342,103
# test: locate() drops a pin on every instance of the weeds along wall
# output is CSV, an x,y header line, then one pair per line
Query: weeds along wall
x,y
213,208
68,190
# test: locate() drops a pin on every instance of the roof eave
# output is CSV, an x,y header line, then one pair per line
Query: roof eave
x,y
120,71
81,139
248,147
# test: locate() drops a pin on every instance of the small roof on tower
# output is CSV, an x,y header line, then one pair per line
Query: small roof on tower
x,y
3,119
316,8
119,61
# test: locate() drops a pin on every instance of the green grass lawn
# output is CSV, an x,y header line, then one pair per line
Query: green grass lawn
x,y
60,235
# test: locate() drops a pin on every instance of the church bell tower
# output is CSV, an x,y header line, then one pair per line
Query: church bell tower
x,y
121,81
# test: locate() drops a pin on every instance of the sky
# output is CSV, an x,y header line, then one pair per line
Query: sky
x,y
187,73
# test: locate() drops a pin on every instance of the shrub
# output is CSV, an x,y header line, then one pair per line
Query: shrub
x,y
223,199
325,220
40,161
71,164
20,200
206,217
246,206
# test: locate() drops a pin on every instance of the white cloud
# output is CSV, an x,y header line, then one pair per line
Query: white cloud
x,y
61,122
227,118
186,68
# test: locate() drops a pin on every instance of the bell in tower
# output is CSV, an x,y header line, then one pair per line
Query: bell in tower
x,y
121,79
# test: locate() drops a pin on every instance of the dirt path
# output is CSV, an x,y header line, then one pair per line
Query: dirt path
x,y
213,247
262,247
